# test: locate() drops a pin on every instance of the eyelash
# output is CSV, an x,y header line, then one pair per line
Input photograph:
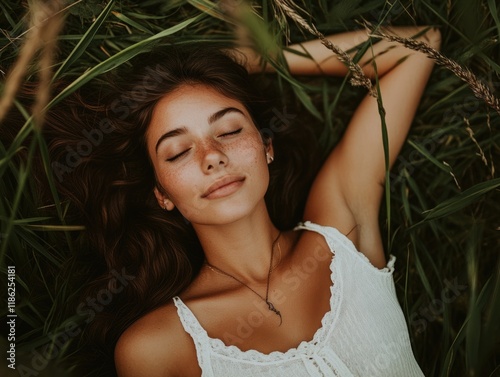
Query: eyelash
x,y
177,156
232,132
171,159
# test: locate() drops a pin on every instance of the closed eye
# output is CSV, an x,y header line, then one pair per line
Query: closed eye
x,y
232,133
178,155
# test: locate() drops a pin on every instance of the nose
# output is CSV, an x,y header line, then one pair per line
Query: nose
x,y
214,159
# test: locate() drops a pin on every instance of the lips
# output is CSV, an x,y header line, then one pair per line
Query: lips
x,y
223,186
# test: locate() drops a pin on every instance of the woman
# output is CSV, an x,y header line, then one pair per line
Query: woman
x,y
214,282
270,302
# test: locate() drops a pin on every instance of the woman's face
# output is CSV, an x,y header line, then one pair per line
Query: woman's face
x,y
208,156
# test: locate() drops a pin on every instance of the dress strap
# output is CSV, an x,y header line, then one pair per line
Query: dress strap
x,y
311,226
330,234
335,238
200,337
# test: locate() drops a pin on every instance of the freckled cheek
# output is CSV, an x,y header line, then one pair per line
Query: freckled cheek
x,y
248,150
177,181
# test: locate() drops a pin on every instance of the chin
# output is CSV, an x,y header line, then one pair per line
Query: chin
x,y
225,213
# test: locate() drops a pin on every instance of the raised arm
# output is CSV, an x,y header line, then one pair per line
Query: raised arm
x,y
348,189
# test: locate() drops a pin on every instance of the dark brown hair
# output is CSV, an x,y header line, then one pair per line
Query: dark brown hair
x,y
97,144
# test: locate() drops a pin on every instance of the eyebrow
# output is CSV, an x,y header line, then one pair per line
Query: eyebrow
x,y
211,119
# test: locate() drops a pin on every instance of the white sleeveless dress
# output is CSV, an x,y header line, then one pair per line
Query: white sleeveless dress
x,y
363,334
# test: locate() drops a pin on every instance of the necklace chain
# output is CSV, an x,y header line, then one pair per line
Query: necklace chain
x,y
266,299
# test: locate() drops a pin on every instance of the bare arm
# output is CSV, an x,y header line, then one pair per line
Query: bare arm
x,y
156,346
348,189
134,358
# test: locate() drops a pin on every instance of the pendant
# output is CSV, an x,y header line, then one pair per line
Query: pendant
x,y
273,309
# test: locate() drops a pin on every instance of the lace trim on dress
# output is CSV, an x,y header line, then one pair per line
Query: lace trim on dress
x,y
341,238
201,337
185,315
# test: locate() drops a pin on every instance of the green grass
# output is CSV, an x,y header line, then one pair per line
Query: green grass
x,y
443,199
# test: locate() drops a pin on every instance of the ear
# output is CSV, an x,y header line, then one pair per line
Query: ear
x,y
268,148
163,201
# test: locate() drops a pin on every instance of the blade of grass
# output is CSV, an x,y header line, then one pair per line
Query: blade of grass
x,y
120,58
424,152
123,18
84,41
24,173
452,351
487,59
491,325
211,9
6,14
462,200
492,4
385,142
473,328
56,228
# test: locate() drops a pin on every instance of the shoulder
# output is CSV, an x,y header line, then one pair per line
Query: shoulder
x,y
156,345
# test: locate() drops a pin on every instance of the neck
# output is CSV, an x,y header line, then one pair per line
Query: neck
x,y
242,248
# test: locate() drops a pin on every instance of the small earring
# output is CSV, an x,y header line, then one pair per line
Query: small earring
x,y
164,206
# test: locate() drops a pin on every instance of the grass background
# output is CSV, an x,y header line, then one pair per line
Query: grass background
x,y
441,218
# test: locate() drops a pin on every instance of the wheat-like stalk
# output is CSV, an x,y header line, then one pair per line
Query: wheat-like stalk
x,y
479,89
358,77
46,21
